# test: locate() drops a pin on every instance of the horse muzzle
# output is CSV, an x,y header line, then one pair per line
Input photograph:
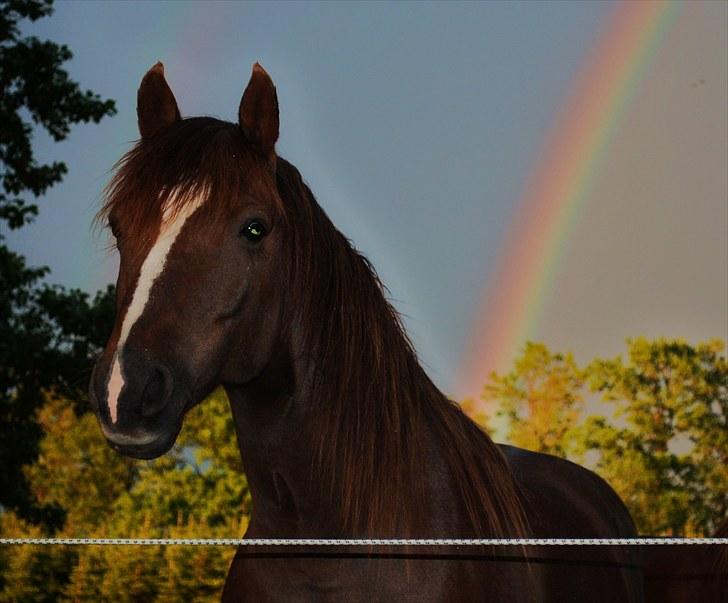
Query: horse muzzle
x,y
139,404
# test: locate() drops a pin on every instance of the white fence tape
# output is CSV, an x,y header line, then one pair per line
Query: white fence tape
x,y
351,542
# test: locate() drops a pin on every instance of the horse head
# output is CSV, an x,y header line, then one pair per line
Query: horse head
x,y
196,215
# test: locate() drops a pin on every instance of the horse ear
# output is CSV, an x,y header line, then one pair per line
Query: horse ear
x,y
156,106
258,112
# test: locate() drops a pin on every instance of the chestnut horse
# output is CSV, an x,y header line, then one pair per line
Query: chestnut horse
x,y
231,274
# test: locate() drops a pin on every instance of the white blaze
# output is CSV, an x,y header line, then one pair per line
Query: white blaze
x,y
151,270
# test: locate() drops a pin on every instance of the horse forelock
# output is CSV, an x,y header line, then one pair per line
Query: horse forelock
x,y
188,159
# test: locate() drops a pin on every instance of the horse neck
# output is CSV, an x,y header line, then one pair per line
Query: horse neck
x,y
354,448
274,439
279,429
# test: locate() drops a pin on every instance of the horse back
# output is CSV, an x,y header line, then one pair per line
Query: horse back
x,y
564,500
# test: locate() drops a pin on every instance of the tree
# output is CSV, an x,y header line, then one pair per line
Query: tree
x,y
660,436
197,490
34,82
540,400
48,339
76,469
48,335
668,457
31,574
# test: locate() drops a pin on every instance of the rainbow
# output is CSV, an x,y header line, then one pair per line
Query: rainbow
x,y
559,188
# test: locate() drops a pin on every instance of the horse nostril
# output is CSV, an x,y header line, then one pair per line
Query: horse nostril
x,y
157,392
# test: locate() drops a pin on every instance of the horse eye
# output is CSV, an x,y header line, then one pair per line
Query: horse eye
x,y
253,231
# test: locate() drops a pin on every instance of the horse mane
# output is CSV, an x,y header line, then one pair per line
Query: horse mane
x,y
372,403
371,398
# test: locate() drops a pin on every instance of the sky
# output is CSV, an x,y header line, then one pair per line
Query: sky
x,y
419,127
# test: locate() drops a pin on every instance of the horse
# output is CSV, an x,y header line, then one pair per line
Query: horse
x,y
232,274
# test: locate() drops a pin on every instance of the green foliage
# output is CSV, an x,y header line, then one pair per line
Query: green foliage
x,y
48,335
48,339
196,490
660,440
35,85
669,457
540,400
32,574
76,469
